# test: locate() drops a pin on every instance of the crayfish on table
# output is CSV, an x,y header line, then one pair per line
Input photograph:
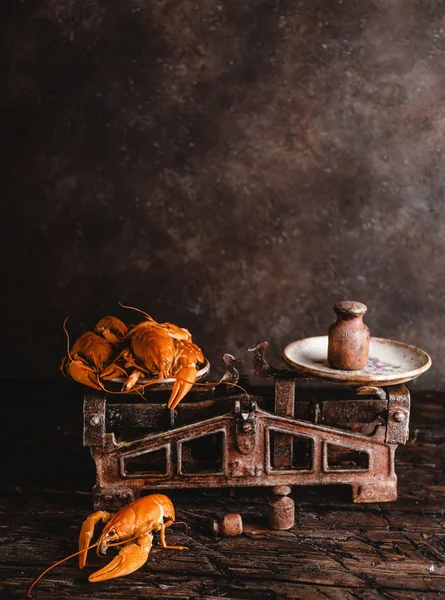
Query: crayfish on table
x,y
148,349
132,528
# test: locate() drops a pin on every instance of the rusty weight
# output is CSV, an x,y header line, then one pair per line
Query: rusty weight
x,y
281,508
229,525
348,347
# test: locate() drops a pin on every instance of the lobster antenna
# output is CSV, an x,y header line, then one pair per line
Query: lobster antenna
x,y
137,310
210,383
154,381
68,350
136,537
131,390
135,389
59,562
67,340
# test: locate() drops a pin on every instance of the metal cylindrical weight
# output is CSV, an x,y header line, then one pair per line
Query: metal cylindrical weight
x,y
232,525
229,525
281,509
348,346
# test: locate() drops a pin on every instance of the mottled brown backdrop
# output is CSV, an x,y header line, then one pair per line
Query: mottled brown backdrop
x,y
235,166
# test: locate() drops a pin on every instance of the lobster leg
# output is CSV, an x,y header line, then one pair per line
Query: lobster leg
x,y
131,381
87,532
129,559
164,543
112,371
188,376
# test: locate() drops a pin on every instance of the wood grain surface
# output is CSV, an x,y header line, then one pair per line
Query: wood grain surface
x,y
335,551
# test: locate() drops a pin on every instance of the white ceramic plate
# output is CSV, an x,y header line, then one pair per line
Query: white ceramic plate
x,y
389,362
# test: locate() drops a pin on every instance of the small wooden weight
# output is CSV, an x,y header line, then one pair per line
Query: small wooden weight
x,y
230,525
281,508
348,347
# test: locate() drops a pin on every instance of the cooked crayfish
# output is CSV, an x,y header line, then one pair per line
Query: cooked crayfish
x,y
133,523
86,359
164,350
92,352
132,528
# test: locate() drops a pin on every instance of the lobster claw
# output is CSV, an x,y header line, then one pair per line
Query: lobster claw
x,y
186,378
130,559
87,532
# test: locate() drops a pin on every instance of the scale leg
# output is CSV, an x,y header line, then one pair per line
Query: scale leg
x,y
112,498
382,491
281,508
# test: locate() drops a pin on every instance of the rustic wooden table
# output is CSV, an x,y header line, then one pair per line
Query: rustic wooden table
x,y
337,550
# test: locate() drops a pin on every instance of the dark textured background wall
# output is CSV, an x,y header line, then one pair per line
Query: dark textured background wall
x,y
233,166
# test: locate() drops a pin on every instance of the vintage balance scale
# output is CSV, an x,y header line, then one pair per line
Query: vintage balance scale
x,y
318,425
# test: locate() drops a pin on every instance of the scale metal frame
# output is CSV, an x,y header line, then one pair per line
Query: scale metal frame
x,y
257,437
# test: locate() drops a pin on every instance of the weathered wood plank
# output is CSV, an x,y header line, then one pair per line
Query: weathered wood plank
x,y
336,551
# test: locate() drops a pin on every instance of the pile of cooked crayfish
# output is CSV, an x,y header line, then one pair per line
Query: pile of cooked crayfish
x,y
147,350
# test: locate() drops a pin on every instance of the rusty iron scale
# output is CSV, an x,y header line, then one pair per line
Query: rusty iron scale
x,y
301,431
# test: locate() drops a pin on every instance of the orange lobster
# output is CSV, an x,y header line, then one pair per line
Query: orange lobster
x,y
131,527
92,352
136,521
88,356
165,350
153,350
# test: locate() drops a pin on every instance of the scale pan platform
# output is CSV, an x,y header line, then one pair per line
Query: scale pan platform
x,y
156,384
389,363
